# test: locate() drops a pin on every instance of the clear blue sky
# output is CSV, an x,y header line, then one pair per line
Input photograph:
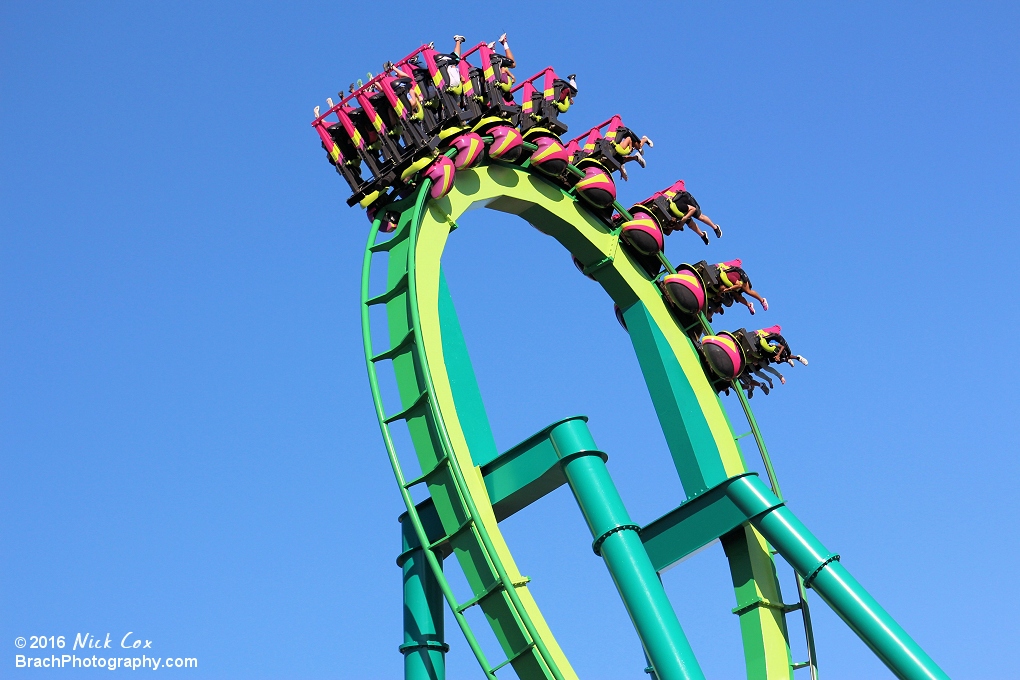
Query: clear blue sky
x,y
186,434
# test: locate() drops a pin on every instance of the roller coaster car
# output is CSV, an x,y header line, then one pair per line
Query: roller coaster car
x,y
400,116
452,106
386,129
642,233
699,287
736,356
658,206
494,86
686,289
346,162
599,154
546,106
355,149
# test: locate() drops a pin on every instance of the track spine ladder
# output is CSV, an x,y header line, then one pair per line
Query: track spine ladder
x,y
473,522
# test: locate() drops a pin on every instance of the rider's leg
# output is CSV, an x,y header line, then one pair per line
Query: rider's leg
x,y
689,221
775,373
705,219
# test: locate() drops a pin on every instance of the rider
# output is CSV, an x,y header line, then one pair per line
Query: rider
x,y
774,346
450,65
627,142
686,208
404,80
734,280
567,94
506,80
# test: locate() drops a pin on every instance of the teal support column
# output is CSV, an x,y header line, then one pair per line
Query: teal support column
x,y
618,543
424,647
823,573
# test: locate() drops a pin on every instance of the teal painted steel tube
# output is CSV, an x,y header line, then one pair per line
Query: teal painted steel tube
x,y
618,542
822,572
424,648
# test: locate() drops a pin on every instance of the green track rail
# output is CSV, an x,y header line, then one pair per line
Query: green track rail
x,y
527,643
494,590
451,439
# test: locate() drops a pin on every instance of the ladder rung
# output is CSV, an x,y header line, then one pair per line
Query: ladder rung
x,y
531,645
494,588
393,292
399,235
422,477
447,538
422,399
734,439
798,666
398,348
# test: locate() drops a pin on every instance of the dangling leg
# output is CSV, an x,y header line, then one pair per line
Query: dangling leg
x,y
776,373
715,227
696,229
747,384
757,296
755,383
764,377
742,300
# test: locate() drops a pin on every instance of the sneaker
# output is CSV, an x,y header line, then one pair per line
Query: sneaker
x,y
765,304
704,237
718,231
641,160
623,173
459,38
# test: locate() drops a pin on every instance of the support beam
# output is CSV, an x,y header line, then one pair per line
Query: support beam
x,y
692,525
618,543
526,472
823,573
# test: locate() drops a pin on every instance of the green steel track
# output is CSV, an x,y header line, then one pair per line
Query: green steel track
x,y
445,418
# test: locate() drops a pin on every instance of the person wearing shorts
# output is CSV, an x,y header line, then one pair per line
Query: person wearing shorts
x,y
688,210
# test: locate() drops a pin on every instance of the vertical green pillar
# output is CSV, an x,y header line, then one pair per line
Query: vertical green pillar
x,y
424,648
618,543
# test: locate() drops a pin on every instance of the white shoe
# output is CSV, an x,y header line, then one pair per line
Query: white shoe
x,y
317,111
641,160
